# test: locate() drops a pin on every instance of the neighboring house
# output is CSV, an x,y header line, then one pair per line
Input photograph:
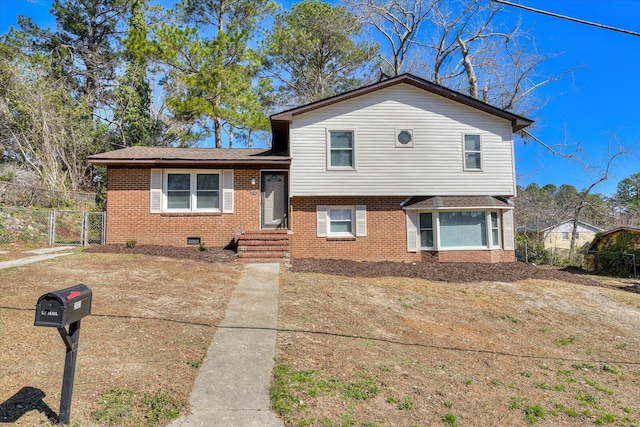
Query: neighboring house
x,y
558,236
625,238
616,252
400,170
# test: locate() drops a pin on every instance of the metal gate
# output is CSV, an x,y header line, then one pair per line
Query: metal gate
x,y
76,227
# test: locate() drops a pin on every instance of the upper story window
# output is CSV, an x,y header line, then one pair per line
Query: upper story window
x,y
472,153
341,152
192,191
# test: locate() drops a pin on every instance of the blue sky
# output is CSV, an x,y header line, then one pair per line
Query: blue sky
x,y
595,105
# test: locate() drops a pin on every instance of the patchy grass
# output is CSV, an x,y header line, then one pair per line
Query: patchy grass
x,y
533,352
152,321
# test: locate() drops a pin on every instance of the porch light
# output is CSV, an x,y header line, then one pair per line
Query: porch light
x,y
253,181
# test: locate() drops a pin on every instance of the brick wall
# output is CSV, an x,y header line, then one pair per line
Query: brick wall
x,y
386,234
386,238
128,216
488,256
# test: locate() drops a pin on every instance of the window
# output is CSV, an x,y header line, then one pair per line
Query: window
x,y
404,138
341,150
472,152
426,230
495,229
565,235
178,191
340,222
463,229
192,191
454,230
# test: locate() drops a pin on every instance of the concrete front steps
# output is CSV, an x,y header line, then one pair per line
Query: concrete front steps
x,y
263,246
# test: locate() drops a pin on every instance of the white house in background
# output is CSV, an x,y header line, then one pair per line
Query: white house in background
x,y
558,236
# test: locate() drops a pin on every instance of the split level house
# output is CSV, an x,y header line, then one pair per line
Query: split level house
x,y
400,170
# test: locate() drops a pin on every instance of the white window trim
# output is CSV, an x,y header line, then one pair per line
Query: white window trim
x,y
193,189
158,190
465,151
436,230
353,221
358,221
353,150
410,144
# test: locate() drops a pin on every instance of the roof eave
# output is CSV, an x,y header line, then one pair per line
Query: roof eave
x,y
187,162
517,122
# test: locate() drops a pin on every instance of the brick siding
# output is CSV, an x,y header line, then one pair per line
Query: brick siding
x,y
128,216
386,238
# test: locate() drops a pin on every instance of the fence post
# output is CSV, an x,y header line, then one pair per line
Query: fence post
x,y
52,227
84,226
103,236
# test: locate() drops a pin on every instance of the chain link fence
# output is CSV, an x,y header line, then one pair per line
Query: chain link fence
x,y
50,226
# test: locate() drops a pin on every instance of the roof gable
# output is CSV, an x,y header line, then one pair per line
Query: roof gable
x,y
582,227
517,122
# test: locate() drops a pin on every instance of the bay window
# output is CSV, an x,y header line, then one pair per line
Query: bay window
x,y
445,230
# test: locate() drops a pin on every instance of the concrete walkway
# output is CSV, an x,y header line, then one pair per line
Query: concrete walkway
x,y
43,254
232,388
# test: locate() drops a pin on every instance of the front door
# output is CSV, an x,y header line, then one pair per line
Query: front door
x,y
274,199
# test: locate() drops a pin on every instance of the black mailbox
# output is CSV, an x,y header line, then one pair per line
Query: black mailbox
x,y
61,308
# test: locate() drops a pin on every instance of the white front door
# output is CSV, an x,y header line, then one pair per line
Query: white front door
x,y
274,199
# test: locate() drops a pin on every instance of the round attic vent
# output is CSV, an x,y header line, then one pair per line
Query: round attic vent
x,y
404,137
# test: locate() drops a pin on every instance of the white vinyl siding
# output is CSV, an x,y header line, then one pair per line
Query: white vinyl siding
x,y
434,165
341,221
191,190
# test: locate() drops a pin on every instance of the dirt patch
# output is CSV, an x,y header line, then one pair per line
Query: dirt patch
x,y
153,320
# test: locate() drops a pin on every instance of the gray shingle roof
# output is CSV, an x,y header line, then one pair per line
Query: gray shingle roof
x,y
435,202
165,156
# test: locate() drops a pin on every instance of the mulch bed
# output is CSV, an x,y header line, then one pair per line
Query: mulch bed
x,y
457,272
192,253
437,272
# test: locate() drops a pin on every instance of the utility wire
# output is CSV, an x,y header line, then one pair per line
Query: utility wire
x,y
569,18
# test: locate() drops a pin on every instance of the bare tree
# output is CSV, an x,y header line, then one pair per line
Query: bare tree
x,y
462,44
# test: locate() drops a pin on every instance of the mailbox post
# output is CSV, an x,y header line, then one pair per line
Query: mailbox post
x,y
60,309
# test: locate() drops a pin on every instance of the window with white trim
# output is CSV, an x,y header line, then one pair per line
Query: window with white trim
x,y
191,190
426,230
495,229
472,153
341,149
341,221
442,230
